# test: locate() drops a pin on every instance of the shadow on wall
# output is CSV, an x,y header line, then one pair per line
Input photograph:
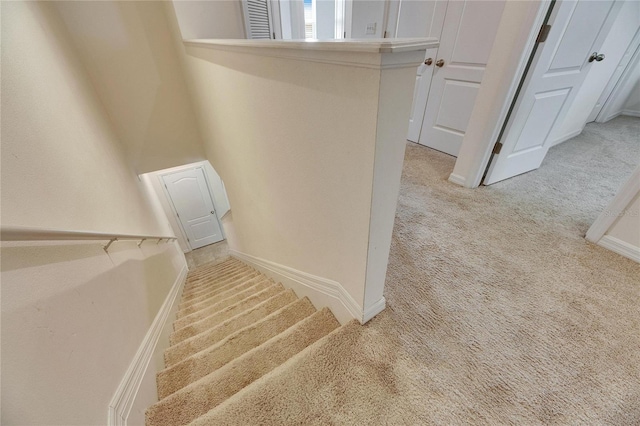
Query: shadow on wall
x,y
274,71
72,320
128,52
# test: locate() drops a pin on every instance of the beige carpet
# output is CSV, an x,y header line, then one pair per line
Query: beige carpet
x,y
498,311
233,326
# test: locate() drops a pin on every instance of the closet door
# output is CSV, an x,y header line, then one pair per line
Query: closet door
x,y
468,34
418,19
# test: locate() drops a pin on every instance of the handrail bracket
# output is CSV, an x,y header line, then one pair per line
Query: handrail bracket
x,y
106,248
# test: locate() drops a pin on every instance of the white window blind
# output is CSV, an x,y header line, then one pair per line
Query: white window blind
x,y
258,18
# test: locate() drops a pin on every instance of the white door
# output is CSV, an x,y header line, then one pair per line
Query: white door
x,y
578,29
420,95
468,34
418,19
189,193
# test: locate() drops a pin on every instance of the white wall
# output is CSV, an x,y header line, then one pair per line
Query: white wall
x,y
365,12
72,316
292,19
614,47
627,226
632,107
617,228
128,53
624,94
210,18
416,18
325,19
294,142
285,190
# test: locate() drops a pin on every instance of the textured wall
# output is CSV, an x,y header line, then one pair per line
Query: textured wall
x,y
72,316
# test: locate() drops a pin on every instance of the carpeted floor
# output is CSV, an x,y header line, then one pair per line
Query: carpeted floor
x,y
498,311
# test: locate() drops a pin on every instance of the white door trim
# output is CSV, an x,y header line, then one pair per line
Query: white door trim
x,y
515,40
616,208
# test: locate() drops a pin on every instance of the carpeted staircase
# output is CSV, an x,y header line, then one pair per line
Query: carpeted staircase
x,y
234,325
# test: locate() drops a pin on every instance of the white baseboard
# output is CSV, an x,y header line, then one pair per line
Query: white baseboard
x,y
457,179
631,112
616,208
566,137
125,396
321,291
609,117
621,247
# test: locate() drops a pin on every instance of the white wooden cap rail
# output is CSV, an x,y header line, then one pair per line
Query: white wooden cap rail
x,y
25,233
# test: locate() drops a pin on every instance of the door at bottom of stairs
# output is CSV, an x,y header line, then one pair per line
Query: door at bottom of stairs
x,y
189,193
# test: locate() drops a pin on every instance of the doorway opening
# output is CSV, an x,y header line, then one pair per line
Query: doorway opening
x,y
195,202
576,119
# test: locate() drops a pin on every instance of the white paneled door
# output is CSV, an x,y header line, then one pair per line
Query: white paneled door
x,y
578,29
467,38
191,198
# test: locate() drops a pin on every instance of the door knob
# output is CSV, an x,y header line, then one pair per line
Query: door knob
x,y
428,61
595,56
439,63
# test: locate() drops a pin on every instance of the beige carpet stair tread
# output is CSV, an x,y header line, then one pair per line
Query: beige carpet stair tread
x,y
197,316
216,285
207,283
207,280
205,362
194,344
212,269
215,303
329,378
195,279
214,266
222,292
199,397
248,310
201,295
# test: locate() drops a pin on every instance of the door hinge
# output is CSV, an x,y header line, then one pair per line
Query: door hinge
x,y
497,148
544,33
344,35
165,185
385,35
178,214
188,239
274,35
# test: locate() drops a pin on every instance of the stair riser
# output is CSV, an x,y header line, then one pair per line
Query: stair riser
x,y
210,310
215,269
216,300
205,394
218,284
201,341
218,290
254,307
208,281
205,362
195,278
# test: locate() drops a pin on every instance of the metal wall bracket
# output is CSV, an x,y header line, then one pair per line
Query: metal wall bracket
x,y
106,248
